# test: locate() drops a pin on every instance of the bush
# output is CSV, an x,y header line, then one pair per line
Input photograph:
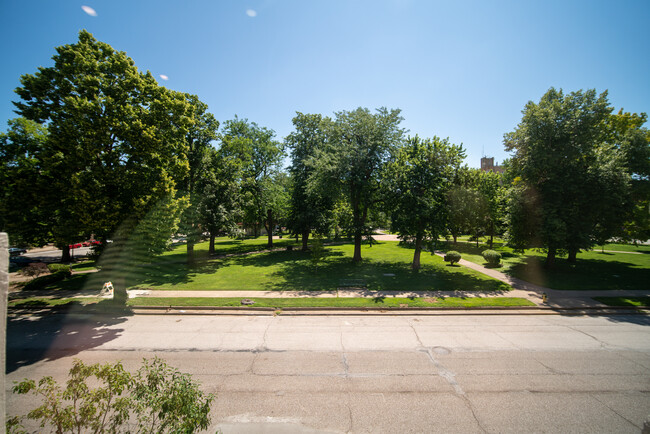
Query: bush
x,y
34,269
58,267
452,256
43,281
106,398
492,257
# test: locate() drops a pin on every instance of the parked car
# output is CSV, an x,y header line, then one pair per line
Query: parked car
x,y
75,246
16,251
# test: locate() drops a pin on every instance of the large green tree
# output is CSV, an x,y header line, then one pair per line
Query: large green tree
x,y
260,156
220,200
24,213
116,145
568,176
310,208
359,144
201,134
417,182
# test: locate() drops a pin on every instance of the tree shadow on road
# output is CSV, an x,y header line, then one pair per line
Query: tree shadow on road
x,y
44,336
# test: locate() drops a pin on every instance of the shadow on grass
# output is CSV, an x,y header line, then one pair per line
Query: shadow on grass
x,y
294,271
50,336
585,274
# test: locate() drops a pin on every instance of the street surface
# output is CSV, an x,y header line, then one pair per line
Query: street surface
x,y
371,373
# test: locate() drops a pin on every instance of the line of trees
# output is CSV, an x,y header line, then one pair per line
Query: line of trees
x,y
100,148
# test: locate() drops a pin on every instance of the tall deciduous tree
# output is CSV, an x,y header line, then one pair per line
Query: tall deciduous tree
x,y
24,211
565,171
220,204
418,181
116,145
202,132
360,144
260,156
309,208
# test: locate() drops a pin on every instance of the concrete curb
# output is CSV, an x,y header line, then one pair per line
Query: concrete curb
x,y
242,310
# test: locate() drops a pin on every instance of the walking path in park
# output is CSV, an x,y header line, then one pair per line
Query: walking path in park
x,y
520,289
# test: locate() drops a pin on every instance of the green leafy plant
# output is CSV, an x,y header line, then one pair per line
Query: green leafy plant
x,y
158,398
492,257
317,250
34,269
58,267
452,257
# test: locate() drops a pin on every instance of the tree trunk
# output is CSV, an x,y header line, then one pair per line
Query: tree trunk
x,y
357,247
455,236
416,255
211,248
305,239
190,252
550,259
269,228
573,253
65,254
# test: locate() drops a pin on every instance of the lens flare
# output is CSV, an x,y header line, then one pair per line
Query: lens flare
x,y
251,13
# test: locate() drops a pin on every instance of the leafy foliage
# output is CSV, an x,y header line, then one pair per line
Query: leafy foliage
x,y
416,186
116,143
58,267
569,173
359,144
452,257
158,398
492,257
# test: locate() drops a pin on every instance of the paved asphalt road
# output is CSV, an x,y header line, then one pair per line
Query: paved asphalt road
x,y
451,373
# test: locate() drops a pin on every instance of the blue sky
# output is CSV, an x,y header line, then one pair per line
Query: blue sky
x,y
457,69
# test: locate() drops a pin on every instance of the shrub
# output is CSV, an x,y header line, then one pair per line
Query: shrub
x,y
106,398
58,267
35,269
43,281
492,257
317,250
452,256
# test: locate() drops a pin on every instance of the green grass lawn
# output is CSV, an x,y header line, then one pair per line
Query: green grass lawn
x,y
49,302
594,269
383,302
624,301
386,266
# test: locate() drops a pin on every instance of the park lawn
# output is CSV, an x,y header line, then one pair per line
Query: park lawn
x,y
382,302
84,266
49,302
226,246
594,269
624,301
386,266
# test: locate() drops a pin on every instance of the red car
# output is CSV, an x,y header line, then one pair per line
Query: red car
x,y
75,246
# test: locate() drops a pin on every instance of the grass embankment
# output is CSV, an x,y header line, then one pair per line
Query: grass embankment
x,y
624,301
386,266
279,303
594,270
32,302
381,302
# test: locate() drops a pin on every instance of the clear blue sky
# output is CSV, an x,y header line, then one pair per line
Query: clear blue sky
x,y
457,69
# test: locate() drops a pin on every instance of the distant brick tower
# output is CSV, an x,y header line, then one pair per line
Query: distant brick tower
x,y
487,165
